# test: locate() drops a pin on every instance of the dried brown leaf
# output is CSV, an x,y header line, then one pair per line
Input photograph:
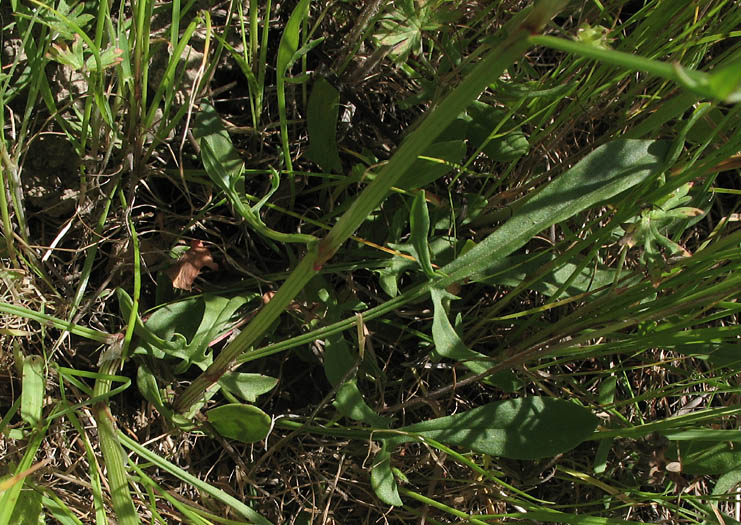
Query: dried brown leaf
x,y
187,268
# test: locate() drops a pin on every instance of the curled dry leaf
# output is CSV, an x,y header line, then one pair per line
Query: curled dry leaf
x,y
187,268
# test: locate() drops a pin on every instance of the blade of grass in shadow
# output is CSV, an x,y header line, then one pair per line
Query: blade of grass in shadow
x,y
487,71
82,331
176,471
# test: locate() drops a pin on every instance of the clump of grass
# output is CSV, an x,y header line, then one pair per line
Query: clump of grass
x,y
474,262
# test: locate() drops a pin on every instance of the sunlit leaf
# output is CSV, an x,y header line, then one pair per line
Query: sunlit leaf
x,y
524,428
244,423
382,479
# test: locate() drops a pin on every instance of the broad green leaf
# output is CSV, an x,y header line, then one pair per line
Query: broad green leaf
x,y
218,313
32,389
184,329
705,457
725,485
609,170
726,355
321,121
513,270
247,386
504,380
109,57
147,385
338,359
59,511
419,223
223,164
350,403
485,120
28,510
725,83
390,275
447,342
382,479
524,428
718,354
245,423
727,482
339,362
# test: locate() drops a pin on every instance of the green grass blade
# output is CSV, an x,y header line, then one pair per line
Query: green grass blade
x,y
176,471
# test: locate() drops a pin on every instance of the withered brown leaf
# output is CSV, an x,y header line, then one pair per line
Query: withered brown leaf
x,y
187,268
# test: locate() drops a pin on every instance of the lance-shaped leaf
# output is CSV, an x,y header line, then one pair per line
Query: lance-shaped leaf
x,y
525,428
609,170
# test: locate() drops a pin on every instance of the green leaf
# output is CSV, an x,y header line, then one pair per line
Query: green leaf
x,y
350,403
705,457
525,428
447,341
513,270
245,423
382,479
726,355
727,482
390,275
321,120
108,58
32,389
218,313
609,170
485,120
725,83
290,39
338,359
184,329
247,386
719,354
147,385
419,223
28,510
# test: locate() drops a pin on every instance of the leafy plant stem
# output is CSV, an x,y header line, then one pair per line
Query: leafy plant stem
x,y
319,253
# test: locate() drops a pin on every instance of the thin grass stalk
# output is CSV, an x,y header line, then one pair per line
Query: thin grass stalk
x,y
487,71
82,331
6,164
113,454
627,61
441,506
